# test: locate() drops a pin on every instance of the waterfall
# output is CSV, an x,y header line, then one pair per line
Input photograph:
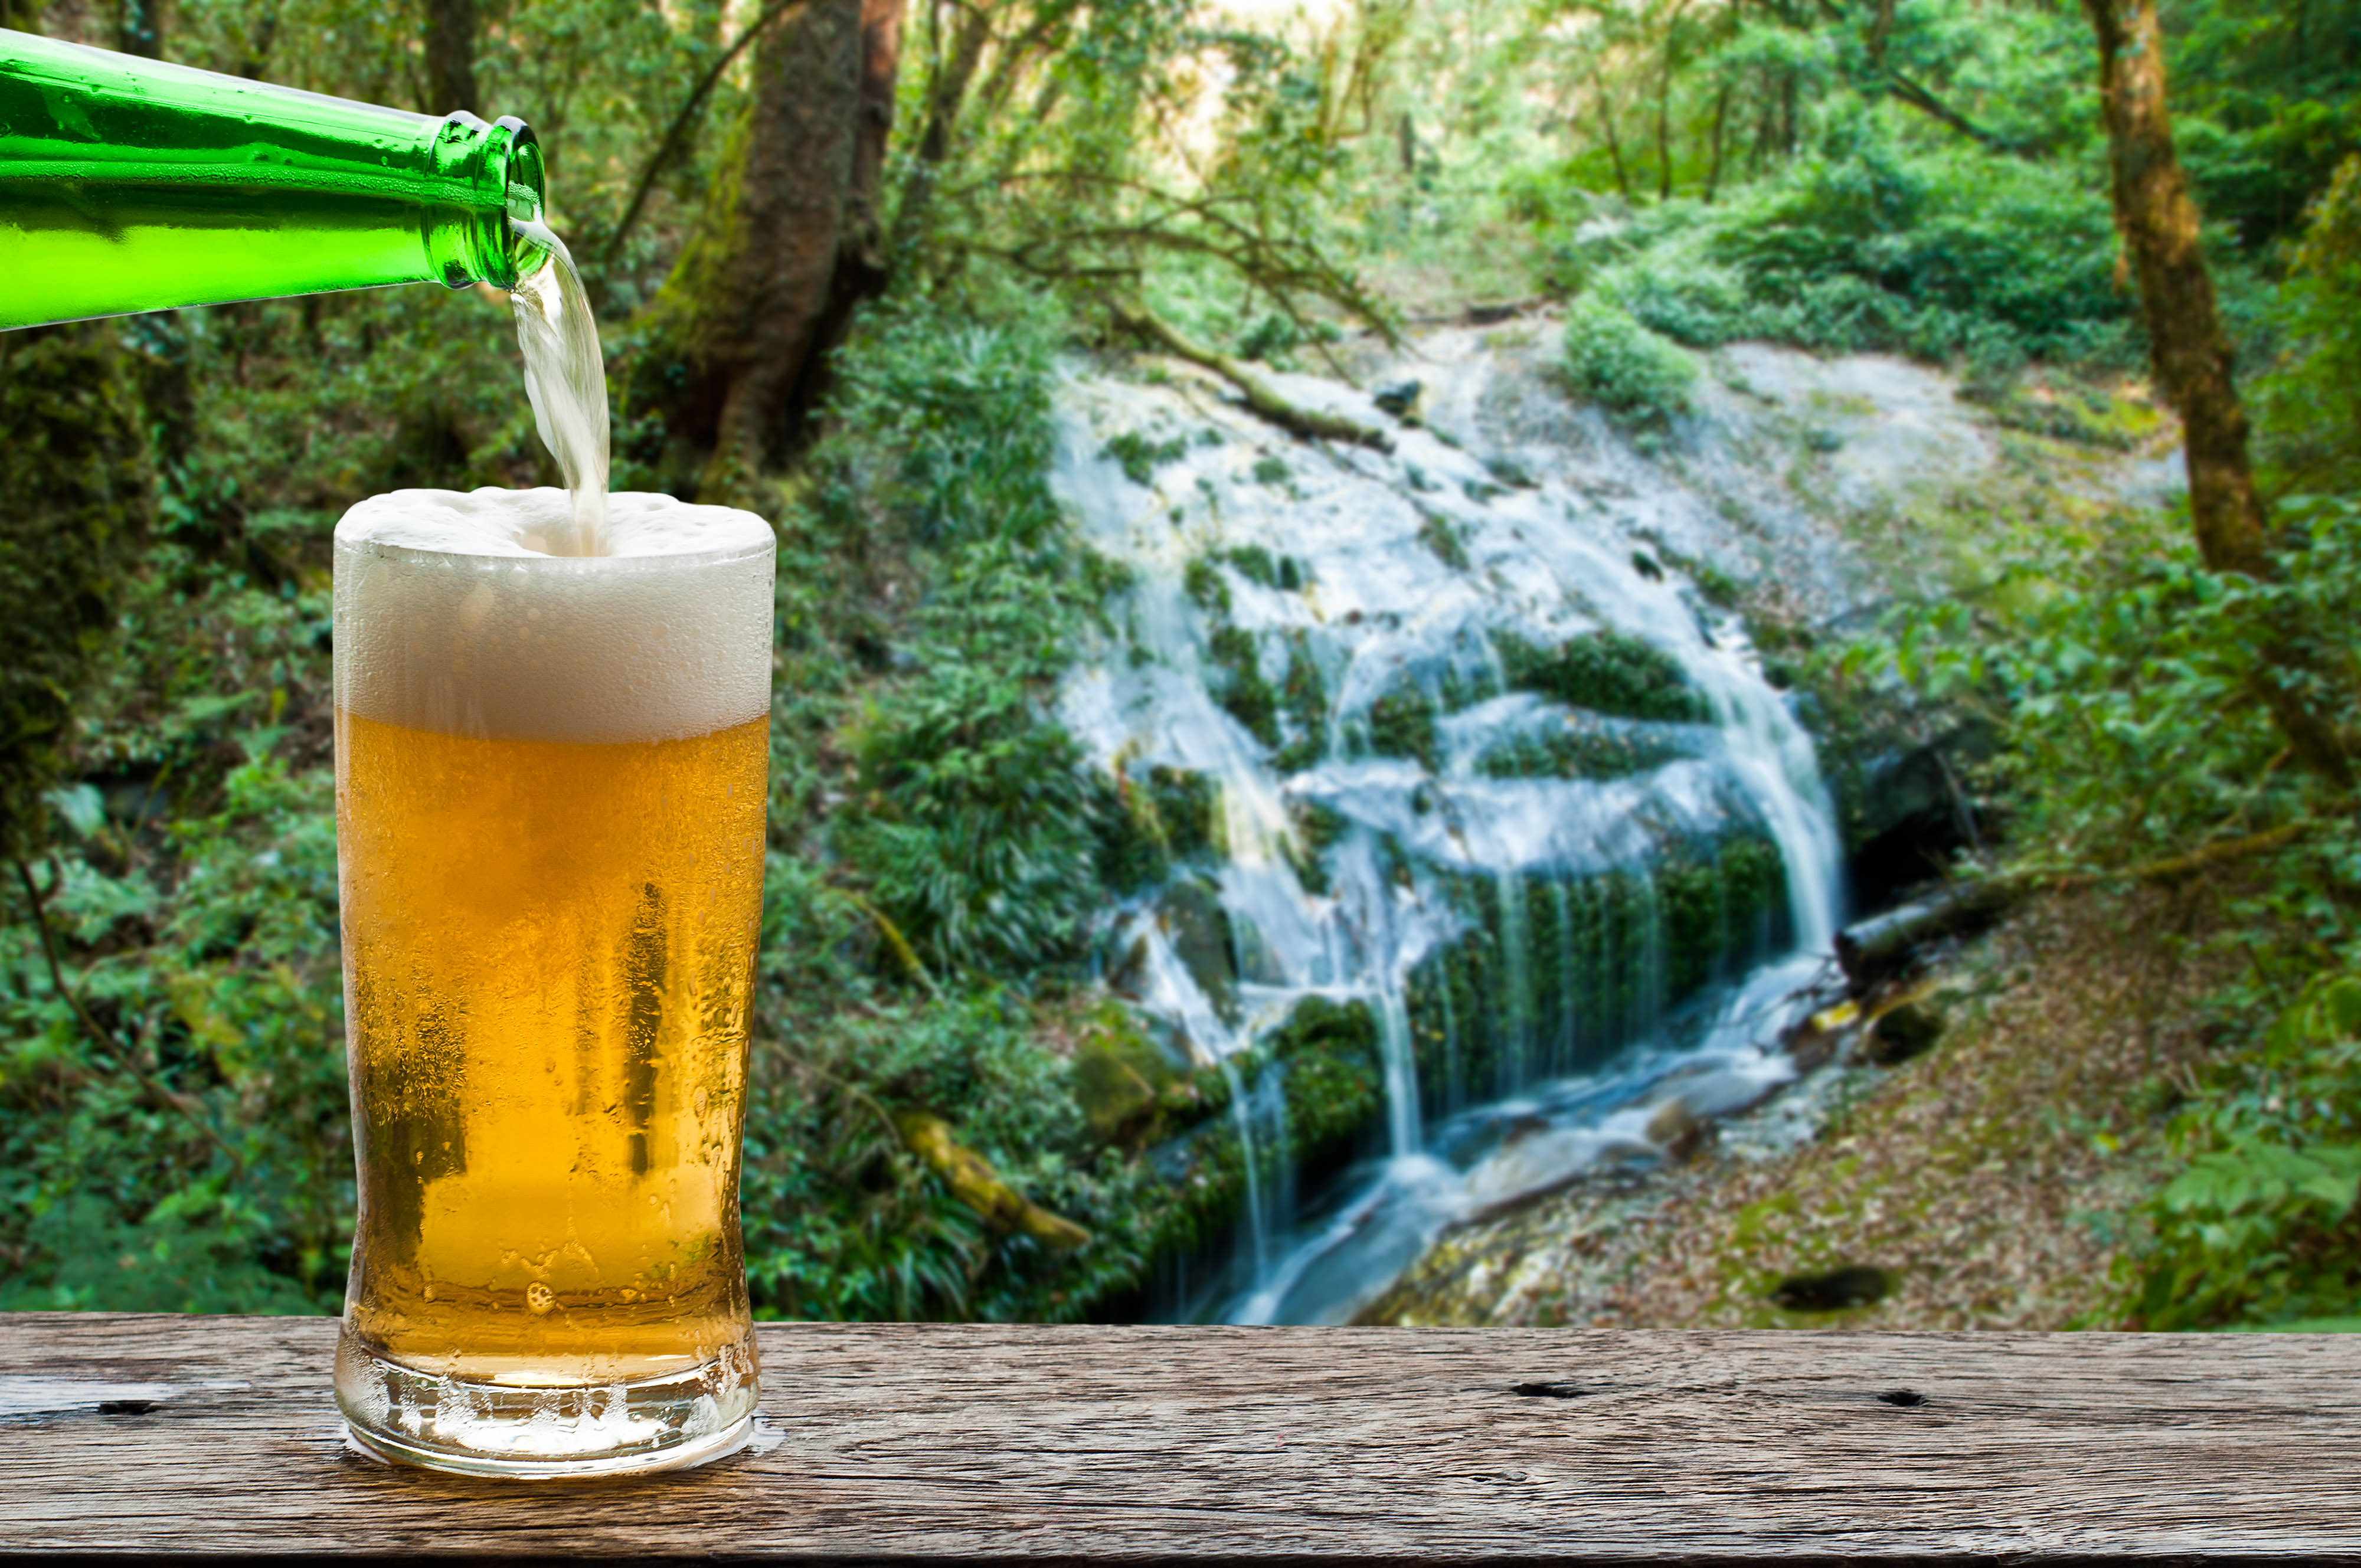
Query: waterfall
x,y
1445,735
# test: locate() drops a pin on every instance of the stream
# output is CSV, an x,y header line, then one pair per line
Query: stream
x,y
1480,751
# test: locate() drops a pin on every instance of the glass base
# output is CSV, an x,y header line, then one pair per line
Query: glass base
x,y
534,1430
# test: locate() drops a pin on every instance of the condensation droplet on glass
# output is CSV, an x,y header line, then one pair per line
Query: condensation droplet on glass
x,y
539,1297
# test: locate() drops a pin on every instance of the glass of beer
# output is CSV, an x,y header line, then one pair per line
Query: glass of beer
x,y
551,773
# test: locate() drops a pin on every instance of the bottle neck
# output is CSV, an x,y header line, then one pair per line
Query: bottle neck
x,y
484,176
131,184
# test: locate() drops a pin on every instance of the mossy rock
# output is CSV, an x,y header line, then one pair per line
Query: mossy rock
x,y
1598,957
1576,752
1127,1086
1332,1086
1402,723
1240,686
1604,671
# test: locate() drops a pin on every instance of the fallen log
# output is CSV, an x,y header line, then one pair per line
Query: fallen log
x,y
1261,398
1888,946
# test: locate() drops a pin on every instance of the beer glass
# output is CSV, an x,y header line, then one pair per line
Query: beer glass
x,y
551,773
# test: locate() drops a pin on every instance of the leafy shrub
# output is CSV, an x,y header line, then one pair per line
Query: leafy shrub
x,y
977,835
2137,745
953,416
2260,1225
1141,457
1639,376
976,828
1865,248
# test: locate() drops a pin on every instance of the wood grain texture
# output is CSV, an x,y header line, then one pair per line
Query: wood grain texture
x,y
129,1433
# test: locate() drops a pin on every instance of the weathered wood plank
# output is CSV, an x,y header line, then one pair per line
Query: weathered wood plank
x,y
121,1433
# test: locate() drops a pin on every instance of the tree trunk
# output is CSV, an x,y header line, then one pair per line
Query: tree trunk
x,y
1664,124
140,30
451,57
947,89
1720,122
864,257
2160,232
791,240
881,57
2189,352
1614,144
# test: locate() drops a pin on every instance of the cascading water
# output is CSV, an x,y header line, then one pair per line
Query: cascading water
x,y
1470,757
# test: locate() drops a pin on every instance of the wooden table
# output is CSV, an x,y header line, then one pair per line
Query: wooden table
x,y
184,1434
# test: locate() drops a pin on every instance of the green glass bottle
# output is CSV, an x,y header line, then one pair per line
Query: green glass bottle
x,y
128,184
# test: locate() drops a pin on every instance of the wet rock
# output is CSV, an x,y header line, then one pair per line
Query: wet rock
x,y
1902,1033
1811,1043
1398,399
1907,808
1192,916
1128,976
1838,1290
1123,1080
1680,1132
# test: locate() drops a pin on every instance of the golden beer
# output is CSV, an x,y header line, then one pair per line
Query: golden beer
x,y
550,800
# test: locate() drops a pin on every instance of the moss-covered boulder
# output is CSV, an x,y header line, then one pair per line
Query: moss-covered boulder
x,y
1604,671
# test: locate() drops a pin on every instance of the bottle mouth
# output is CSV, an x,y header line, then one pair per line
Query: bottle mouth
x,y
524,200
494,181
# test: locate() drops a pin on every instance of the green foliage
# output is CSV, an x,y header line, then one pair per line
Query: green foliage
x,y
1304,696
2137,746
1141,457
1201,580
2267,100
2130,694
953,416
2258,1226
1441,534
1866,247
73,469
975,829
843,1222
2310,406
1257,564
1167,818
1604,671
1637,375
175,1136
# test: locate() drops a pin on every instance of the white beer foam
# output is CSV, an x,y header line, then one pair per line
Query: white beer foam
x,y
449,618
